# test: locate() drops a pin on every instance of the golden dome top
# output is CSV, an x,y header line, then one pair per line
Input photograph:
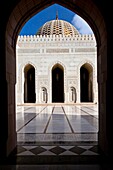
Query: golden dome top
x,y
57,27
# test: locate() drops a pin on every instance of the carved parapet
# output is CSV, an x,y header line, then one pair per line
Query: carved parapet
x,y
40,38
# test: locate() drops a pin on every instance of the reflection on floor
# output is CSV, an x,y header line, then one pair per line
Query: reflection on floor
x,y
57,130
68,123
57,137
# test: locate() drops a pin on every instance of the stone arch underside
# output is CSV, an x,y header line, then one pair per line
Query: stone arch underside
x,y
22,12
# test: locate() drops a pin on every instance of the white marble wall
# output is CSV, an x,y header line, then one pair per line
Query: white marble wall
x,y
44,52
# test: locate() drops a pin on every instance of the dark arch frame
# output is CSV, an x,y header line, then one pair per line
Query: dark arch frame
x,y
17,14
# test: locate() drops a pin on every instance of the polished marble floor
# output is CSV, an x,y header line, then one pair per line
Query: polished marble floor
x,y
57,129
57,123
57,137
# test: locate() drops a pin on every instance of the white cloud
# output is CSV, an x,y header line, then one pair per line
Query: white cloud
x,y
81,25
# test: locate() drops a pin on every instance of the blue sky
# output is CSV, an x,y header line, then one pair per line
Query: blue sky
x,y
32,26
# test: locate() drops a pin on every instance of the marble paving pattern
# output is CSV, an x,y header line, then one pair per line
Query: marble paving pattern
x,y
57,129
56,122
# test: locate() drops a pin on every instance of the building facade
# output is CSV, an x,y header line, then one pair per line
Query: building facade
x,y
58,64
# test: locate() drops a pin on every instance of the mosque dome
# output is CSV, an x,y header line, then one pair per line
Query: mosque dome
x,y
57,27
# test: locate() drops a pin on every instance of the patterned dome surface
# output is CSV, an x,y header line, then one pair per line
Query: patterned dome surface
x,y
57,27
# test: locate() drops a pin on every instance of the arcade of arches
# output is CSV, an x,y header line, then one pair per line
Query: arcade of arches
x,y
58,94
94,12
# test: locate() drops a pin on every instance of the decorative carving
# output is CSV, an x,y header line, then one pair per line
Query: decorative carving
x,y
57,50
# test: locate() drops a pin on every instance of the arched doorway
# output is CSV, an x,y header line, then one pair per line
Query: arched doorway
x,y
14,20
86,83
57,84
29,84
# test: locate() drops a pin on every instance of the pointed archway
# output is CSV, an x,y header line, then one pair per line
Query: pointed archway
x,y
13,21
86,83
58,84
29,84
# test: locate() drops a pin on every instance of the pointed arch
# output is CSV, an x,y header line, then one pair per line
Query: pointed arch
x,y
15,19
29,84
58,83
86,83
20,71
50,78
73,94
21,81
